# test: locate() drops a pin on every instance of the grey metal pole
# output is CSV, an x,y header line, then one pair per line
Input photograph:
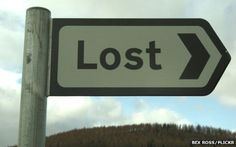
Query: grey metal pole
x,y
34,78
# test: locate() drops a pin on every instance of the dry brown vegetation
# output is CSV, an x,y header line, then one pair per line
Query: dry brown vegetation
x,y
143,135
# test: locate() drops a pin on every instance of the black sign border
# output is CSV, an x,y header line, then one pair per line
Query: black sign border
x,y
57,90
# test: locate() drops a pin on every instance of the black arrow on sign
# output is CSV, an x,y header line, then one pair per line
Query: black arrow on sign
x,y
199,56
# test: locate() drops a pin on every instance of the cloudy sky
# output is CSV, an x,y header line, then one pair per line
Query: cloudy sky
x,y
65,113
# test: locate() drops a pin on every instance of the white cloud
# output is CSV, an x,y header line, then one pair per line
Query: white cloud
x,y
9,106
228,100
16,6
113,8
158,115
11,40
66,113
219,14
62,108
226,87
9,80
107,107
140,104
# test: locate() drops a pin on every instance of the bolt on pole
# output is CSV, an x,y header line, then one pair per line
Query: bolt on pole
x,y
33,107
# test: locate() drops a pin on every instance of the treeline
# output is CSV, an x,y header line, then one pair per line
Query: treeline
x,y
143,135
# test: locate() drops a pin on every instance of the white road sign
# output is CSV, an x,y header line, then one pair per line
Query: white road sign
x,y
135,57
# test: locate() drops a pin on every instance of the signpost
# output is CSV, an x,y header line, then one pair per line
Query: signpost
x,y
113,57
135,57
34,78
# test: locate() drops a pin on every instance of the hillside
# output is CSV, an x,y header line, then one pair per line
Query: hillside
x,y
143,135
